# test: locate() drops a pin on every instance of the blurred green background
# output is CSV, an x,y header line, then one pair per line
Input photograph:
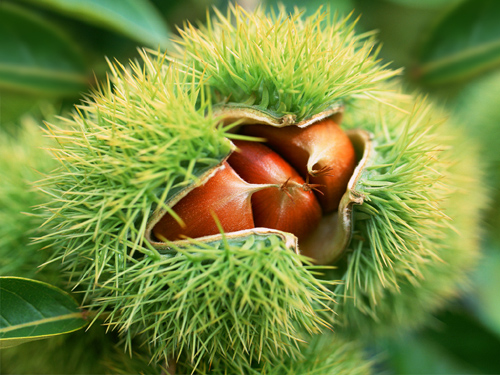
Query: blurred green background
x,y
53,51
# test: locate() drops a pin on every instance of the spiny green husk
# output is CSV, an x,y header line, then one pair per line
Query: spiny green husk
x,y
256,296
325,354
150,133
128,148
286,64
402,238
416,235
22,160
322,355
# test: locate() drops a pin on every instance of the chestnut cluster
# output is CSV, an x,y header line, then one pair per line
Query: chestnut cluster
x,y
286,183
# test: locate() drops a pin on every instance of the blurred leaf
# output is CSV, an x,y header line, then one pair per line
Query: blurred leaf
x,y
398,27
343,7
466,42
82,352
417,355
32,310
468,340
487,280
176,12
137,19
12,106
477,108
426,3
458,344
36,56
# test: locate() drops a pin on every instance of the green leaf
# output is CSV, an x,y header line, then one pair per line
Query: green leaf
x,y
426,4
136,19
37,57
415,354
487,277
32,310
13,106
467,340
456,344
465,43
343,7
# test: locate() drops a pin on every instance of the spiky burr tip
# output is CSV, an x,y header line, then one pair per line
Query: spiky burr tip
x,y
321,355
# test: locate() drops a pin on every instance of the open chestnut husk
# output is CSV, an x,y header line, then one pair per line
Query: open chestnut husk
x,y
297,182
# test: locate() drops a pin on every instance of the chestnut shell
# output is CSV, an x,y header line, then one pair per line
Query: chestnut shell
x,y
331,238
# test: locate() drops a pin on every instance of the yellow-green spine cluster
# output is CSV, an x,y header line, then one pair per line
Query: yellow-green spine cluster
x,y
416,237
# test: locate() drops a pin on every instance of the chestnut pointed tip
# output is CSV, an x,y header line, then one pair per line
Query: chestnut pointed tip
x,y
309,187
326,171
276,195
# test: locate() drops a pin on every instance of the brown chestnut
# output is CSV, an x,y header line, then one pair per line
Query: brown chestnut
x,y
287,186
225,195
291,208
321,152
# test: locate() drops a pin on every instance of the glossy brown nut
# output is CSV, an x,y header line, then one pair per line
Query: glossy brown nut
x,y
292,207
225,195
322,153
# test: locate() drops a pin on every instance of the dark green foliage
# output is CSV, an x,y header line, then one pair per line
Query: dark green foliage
x,y
33,310
82,352
463,44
